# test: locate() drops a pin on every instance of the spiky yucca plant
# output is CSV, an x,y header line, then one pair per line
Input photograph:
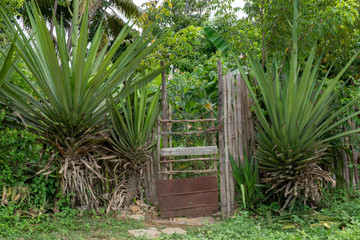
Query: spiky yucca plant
x,y
133,122
294,114
71,87
132,125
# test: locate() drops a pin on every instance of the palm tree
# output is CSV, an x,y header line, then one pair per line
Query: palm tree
x,y
68,106
109,11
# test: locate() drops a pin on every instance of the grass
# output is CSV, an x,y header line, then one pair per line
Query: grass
x,y
69,225
244,225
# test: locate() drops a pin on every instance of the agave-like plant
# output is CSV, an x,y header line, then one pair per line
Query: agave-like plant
x,y
295,115
132,125
246,177
70,90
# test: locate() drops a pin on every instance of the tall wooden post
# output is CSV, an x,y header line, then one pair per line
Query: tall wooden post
x,y
163,112
240,118
221,138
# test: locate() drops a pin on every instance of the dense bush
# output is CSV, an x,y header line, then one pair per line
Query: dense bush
x,y
25,196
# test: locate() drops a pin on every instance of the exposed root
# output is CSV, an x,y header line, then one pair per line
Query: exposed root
x,y
305,184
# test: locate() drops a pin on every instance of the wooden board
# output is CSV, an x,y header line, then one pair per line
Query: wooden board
x,y
188,151
188,197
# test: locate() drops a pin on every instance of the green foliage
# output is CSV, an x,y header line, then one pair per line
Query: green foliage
x,y
62,100
25,197
132,124
177,14
19,161
337,37
290,140
193,93
68,224
246,176
344,224
244,225
13,6
67,105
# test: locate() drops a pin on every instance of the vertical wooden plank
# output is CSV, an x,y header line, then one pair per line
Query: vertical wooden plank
x,y
155,174
245,117
231,139
235,120
221,107
170,143
164,112
226,148
251,123
149,193
158,147
240,130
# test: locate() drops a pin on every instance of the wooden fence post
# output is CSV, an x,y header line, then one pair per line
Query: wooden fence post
x,y
237,134
240,119
163,112
229,79
221,138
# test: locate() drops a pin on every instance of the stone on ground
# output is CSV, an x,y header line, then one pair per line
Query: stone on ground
x,y
199,221
137,216
173,231
150,233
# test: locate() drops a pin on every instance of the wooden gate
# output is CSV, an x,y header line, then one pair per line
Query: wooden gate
x,y
179,194
170,187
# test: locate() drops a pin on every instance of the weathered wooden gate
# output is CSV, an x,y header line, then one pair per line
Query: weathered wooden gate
x,y
179,194
191,189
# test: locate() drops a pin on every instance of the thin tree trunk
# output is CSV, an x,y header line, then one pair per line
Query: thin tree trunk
x,y
355,156
263,48
346,174
52,24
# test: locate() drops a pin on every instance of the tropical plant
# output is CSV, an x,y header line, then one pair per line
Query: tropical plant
x,y
246,176
7,60
294,113
132,125
106,10
70,91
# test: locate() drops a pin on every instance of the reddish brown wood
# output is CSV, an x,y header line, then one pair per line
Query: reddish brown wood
x,y
188,197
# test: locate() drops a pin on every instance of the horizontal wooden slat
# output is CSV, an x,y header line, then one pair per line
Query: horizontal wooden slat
x,y
189,160
187,120
188,151
190,171
186,193
209,130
